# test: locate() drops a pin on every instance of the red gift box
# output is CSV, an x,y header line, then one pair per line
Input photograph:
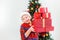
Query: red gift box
x,y
42,24
46,15
43,10
46,29
48,22
49,28
37,15
38,25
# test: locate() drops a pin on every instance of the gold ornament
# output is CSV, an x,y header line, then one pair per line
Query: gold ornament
x,y
46,34
43,35
31,8
32,2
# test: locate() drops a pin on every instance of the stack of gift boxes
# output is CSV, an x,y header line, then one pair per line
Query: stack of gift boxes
x,y
42,21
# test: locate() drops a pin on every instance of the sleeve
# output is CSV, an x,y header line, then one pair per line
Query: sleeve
x,y
22,32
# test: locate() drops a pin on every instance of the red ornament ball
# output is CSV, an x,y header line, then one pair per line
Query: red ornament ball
x,y
37,6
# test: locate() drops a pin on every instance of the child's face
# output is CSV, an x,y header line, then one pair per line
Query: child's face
x,y
26,18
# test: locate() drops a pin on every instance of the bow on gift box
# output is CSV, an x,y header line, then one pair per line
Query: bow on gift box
x,y
42,23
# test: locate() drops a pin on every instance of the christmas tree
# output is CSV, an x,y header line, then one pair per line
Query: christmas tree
x,y
33,7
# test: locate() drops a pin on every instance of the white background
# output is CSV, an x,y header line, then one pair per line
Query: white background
x,y
10,12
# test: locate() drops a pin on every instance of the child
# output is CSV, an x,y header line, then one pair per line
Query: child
x,y
26,30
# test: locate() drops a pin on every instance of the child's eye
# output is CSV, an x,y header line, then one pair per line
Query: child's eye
x,y
26,17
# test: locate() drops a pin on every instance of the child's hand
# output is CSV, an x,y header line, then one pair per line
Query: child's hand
x,y
29,31
32,29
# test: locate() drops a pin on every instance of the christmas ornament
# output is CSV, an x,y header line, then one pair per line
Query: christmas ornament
x,y
43,35
46,34
32,2
32,8
37,6
35,1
